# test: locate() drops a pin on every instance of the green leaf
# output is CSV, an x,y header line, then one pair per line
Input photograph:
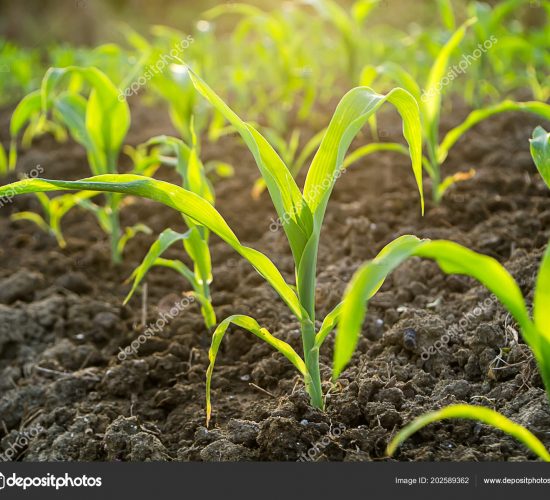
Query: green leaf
x,y
453,259
29,106
132,232
351,114
107,115
3,160
540,151
179,199
291,208
470,412
541,302
447,14
431,97
395,73
32,217
541,317
364,284
538,108
329,323
179,267
369,149
252,326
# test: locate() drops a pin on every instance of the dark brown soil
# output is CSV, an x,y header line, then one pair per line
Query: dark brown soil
x,y
62,322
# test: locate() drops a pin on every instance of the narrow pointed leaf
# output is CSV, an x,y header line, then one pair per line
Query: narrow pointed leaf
x,y
252,326
540,151
179,199
470,412
538,108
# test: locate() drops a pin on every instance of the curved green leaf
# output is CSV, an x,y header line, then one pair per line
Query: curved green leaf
x,y
165,240
540,151
363,285
351,114
287,198
470,412
538,108
179,199
431,98
252,326
369,149
453,259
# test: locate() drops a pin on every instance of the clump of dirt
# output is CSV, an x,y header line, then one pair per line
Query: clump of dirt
x,y
429,339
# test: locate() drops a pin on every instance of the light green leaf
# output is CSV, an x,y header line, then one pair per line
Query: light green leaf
x,y
447,14
470,412
453,259
329,323
132,232
179,199
3,160
431,97
538,108
351,114
252,326
369,149
540,151
364,284
29,106
32,217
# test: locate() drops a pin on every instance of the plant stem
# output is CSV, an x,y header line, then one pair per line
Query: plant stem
x,y
115,228
436,174
311,358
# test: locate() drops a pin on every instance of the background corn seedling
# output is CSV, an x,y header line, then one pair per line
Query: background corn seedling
x,y
99,122
195,240
301,213
536,332
430,102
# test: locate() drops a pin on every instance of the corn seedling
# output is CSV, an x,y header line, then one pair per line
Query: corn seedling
x,y
349,26
54,210
195,240
98,122
430,101
452,259
301,214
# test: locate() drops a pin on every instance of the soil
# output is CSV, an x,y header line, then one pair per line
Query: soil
x,y
62,322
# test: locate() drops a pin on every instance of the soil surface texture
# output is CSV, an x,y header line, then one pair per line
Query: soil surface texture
x,y
429,339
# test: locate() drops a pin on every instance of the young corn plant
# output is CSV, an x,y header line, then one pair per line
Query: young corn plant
x,y
430,102
54,210
453,259
301,214
98,121
195,240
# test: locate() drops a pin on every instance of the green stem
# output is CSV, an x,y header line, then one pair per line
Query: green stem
x,y
115,228
436,173
311,358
